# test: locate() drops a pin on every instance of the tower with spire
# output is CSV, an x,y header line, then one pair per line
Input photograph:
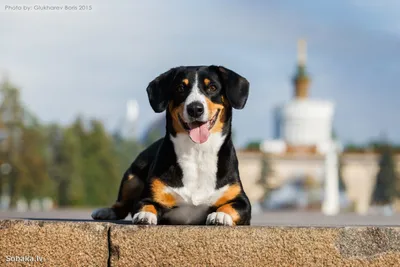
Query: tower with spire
x,y
301,80
304,123
305,127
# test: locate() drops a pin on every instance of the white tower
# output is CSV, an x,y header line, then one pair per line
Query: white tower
x,y
306,121
132,115
331,205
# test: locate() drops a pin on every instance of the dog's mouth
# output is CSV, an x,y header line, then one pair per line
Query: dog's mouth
x,y
199,131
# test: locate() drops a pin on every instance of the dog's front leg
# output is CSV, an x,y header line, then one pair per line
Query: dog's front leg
x,y
148,214
151,209
231,209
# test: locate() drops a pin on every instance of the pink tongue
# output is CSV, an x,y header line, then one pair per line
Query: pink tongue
x,y
199,134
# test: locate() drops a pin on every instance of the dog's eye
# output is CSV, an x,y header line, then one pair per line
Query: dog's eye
x,y
180,88
212,88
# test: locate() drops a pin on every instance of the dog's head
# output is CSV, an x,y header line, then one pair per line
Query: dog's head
x,y
198,100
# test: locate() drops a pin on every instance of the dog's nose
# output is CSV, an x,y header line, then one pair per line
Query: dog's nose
x,y
195,109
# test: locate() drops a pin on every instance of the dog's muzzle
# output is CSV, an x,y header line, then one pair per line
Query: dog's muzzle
x,y
195,109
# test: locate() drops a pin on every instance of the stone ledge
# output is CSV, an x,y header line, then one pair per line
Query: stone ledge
x,y
66,243
56,243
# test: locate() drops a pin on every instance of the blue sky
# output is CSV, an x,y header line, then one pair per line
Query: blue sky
x,y
92,62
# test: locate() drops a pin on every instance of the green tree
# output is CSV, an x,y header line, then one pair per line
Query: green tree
x,y
34,170
57,159
100,169
84,169
342,185
11,112
351,147
73,168
385,188
126,151
65,164
253,145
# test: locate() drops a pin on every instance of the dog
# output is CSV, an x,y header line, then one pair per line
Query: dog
x,y
190,176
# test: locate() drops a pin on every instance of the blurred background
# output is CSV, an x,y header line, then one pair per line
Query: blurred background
x,y
320,133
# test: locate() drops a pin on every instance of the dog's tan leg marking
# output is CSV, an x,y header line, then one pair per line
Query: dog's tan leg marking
x,y
225,214
231,193
160,196
228,209
149,208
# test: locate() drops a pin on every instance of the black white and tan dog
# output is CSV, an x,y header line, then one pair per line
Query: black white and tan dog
x,y
191,175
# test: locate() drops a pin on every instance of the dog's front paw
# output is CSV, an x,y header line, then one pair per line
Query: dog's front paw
x,y
104,214
145,217
219,218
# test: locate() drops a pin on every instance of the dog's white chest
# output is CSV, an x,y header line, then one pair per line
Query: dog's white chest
x,y
199,168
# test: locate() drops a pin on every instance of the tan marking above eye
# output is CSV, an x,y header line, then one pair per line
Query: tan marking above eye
x,y
206,81
185,82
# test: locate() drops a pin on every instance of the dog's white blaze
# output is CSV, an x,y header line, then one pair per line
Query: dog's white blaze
x,y
199,167
195,95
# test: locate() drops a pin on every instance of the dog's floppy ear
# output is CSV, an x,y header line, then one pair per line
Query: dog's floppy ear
x,y
236,87
158,90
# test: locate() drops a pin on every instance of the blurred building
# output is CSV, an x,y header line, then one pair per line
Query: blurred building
x,y
303,124
359,171
303,149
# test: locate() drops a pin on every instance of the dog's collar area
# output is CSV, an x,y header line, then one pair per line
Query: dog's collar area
x,y
195,124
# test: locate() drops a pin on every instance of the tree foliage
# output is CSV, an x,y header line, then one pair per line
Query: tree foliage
x,y
80,164
342,185
33,169
253,145
126,151
386,182
12,123
99,165
373,146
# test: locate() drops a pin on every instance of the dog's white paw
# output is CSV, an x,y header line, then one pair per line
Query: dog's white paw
x,y
219,218
104,214
144,217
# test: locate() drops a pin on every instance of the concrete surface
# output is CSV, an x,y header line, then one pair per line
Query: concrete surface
x,y
25,242
65,243
271,218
